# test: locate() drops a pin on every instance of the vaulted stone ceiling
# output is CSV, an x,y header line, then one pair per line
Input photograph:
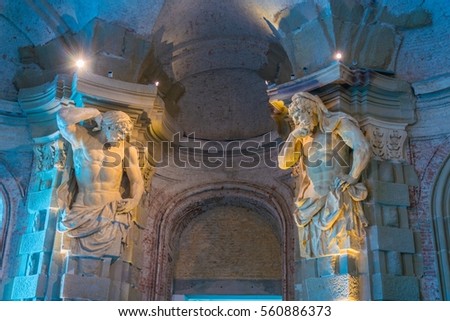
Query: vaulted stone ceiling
x,y
73,23
212,57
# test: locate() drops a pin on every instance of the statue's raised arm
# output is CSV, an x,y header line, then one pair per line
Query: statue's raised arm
x,y
68,119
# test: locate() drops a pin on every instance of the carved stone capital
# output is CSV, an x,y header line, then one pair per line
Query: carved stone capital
x,y
50,152
386,139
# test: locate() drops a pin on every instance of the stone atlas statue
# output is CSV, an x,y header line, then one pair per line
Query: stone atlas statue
x,y
329,152
96,213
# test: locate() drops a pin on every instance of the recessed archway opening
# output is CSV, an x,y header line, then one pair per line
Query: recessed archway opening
x,y
266,207
229,250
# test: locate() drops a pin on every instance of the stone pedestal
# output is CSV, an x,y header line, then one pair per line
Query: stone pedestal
x,y
329,278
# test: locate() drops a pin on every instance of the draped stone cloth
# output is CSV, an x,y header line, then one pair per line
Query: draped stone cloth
x,y
97,231
326,221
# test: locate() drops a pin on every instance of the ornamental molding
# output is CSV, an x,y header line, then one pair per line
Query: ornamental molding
x,y
113,91
387,140
338,73
50,154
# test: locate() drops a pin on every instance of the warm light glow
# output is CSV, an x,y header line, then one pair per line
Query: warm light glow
x,y
157,83
79,60
338,55
349,251
80,63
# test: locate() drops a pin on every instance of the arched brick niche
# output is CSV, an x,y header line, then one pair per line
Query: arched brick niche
x,y
229,249
11,196
4,218
440,209
210,207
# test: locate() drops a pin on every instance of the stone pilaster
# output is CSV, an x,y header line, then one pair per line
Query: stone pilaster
x,y
38,260
37,256
393,254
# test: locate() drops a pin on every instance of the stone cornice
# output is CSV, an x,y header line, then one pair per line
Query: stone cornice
x,y
360,92
41,103
116,91
336,72
432,85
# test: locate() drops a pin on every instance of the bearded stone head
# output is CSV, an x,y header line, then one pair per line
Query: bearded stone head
x,y
303,111
116,125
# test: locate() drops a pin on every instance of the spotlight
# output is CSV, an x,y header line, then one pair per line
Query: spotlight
x,y
157,83
338,55
80,63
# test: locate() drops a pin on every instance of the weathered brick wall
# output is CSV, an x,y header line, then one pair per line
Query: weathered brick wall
x,y
429,150
428,156
15,170
229,242
425,51
19,165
